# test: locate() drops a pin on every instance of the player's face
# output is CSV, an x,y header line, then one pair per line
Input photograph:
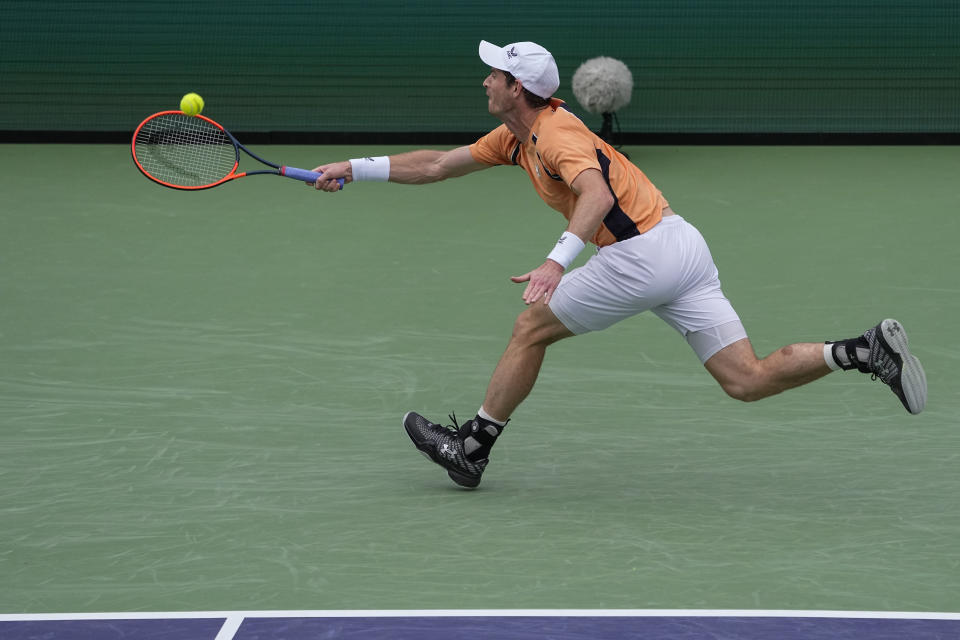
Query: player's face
x,y
498,93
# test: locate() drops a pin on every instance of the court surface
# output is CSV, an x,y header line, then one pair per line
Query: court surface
x,y
201,395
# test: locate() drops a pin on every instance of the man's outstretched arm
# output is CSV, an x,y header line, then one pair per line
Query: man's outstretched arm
x,y
414,167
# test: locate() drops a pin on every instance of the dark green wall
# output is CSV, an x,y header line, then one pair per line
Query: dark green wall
x,y
723,66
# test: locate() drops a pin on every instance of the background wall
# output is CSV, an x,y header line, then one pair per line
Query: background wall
x,y
699,66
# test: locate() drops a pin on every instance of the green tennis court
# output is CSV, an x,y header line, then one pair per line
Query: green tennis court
x,y
201,394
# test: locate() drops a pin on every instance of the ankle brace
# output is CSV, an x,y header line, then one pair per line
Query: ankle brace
x,y
852,354
479,435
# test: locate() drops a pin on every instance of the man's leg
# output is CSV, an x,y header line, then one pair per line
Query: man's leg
x,y
463,450
745,377
535,329
881,351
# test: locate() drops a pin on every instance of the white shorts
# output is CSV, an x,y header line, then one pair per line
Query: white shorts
x,y
667,270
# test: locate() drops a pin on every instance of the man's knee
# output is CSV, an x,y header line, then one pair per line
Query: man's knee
x,y
739,372
745,389
538,325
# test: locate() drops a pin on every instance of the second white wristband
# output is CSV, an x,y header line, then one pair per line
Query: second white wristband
x,y
568,247
370,169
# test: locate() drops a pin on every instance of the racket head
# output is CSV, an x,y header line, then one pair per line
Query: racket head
x,y
184,152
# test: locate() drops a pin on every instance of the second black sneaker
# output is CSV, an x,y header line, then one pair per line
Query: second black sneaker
x,y
444,446
891,361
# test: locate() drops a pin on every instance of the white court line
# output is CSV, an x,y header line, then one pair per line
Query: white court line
x,y
238,616
229,628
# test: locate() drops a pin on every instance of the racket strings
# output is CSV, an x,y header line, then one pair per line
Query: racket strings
x,y
184,151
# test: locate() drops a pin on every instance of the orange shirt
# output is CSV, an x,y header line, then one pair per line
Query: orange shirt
x,y
559,149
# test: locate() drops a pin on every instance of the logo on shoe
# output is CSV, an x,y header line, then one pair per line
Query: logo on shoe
x,y
448,451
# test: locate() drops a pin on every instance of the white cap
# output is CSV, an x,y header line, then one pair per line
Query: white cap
x,y
528,62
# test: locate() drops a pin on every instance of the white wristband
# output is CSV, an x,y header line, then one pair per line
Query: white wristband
x,y
568,247
370,169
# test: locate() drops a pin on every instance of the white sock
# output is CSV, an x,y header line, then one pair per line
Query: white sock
x,y
828,357
486,416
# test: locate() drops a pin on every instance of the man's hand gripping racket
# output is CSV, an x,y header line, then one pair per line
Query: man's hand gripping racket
x,y
333,176
194,152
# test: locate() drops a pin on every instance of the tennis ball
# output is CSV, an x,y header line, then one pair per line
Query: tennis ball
x,y
191,104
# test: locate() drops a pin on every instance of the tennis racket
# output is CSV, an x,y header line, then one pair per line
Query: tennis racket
x,y
194,152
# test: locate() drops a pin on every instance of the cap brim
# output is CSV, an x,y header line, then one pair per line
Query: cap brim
x,y
493,55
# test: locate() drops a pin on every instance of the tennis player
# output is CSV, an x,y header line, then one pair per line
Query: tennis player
x,y
648,259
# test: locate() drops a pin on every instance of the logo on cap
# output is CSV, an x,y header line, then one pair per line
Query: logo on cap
x,y
512,53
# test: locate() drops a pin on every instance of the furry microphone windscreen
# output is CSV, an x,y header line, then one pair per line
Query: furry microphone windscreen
x,y
602,85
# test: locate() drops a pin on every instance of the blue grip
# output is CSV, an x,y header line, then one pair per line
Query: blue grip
x,y
303,175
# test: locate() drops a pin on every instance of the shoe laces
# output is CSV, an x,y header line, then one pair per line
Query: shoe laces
x,y
884,371
462,430
455,427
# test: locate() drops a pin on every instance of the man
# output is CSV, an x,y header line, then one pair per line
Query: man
x,y
648,258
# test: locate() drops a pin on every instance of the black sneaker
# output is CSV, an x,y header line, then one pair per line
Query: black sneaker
x,y
891,361
444,446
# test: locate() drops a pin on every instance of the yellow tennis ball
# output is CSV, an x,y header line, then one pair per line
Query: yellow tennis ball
x,y
191,104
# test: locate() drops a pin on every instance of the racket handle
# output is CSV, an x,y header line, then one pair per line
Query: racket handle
x,y
303,175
